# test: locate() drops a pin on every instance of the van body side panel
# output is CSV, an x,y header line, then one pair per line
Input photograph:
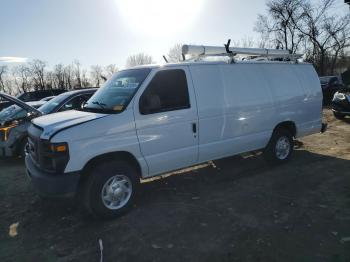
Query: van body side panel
x,y
113,133
297,95
311,121
234,107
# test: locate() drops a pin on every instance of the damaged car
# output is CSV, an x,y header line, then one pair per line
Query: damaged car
x,y
15,119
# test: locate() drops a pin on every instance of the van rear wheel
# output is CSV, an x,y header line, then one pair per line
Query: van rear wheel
x,y
110,189
280,147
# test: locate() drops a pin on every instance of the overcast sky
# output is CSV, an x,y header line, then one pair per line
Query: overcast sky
x,y
107,31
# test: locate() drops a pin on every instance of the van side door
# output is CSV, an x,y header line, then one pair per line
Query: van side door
x,y
166,121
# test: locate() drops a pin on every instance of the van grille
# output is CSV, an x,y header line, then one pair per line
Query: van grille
x,y
39,150
34,134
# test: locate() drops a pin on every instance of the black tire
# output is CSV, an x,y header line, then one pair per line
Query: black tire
x,y
21,148
338,115
271,154
97,179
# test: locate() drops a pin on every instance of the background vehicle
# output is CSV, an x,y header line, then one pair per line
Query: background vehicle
x,y
40,94
330,85
341,103
34,96
47,98
150,120
16,119
67,101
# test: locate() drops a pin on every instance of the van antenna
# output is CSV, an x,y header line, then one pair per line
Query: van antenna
x,y
227,47
229,52
166,60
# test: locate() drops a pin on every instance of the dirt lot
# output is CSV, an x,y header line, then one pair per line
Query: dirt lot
x,y
238,209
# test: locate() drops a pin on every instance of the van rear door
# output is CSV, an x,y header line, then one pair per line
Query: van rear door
x,y
166,120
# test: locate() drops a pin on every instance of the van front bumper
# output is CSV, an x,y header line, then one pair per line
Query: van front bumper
x,y
48,184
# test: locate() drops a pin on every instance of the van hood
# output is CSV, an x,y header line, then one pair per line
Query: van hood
x,y
53,123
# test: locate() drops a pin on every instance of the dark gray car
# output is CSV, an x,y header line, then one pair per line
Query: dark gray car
x,y
15,119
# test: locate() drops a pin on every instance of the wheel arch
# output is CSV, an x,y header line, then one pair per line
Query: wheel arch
x,y
119,155
289,125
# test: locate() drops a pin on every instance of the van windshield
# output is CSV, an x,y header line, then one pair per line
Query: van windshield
x,y
117,92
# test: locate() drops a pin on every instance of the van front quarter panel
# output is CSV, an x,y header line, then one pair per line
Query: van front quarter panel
x,y
114,133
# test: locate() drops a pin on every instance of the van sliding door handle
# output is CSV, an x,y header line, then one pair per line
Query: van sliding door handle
x,y
194,128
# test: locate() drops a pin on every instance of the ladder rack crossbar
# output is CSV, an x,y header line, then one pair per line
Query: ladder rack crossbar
x,y
201,51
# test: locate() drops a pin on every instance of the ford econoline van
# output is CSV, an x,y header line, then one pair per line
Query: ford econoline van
x,y
150,120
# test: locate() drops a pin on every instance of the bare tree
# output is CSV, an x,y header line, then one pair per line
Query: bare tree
x,y
59,76
77,73
108,71
175,53
49,80
22,77
96,75
339,30
325,31
85,81
139,59
37,68
280,24
68,75
3,71
309,25
244,42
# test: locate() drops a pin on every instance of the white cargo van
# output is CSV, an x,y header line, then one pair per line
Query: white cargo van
x,y
150,120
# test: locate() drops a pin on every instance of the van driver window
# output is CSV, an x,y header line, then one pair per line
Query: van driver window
x,y
167,91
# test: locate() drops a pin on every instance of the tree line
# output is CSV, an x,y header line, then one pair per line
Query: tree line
x,y
36,75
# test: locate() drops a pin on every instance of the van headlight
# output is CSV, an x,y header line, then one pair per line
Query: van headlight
x,y
55,156
59,148
339,96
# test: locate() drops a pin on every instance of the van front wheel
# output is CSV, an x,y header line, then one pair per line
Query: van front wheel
x,y
280,147
110,189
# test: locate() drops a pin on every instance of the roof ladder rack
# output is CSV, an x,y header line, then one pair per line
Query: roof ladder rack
x,y
200,51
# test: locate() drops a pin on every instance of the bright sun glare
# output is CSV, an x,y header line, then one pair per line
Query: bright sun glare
x,y
159,17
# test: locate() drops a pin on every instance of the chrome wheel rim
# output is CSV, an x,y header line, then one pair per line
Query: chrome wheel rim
x,y
282,148
116,192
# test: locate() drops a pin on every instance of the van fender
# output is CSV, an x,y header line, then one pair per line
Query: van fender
x,y
118,155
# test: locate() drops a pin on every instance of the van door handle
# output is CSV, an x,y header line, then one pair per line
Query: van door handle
x,y
194,128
